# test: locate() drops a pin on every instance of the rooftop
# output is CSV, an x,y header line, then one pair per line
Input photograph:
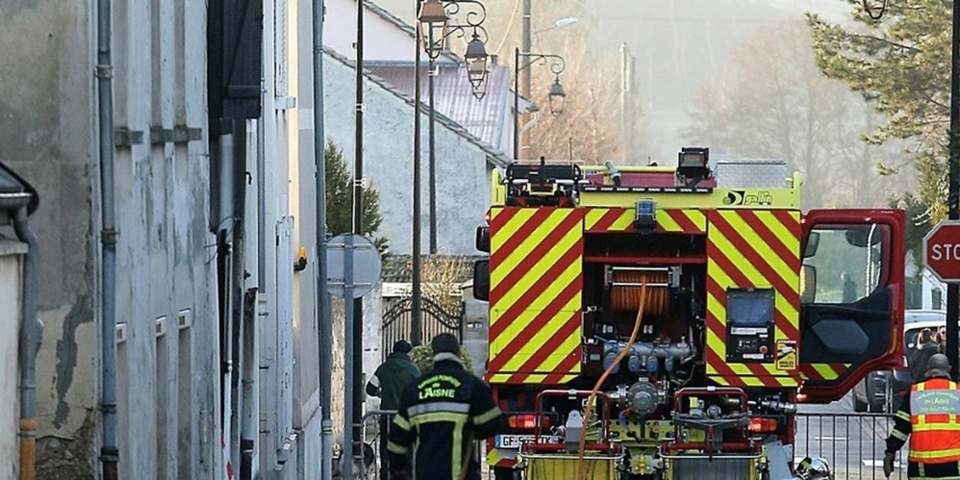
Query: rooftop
x,y
454,97
15,189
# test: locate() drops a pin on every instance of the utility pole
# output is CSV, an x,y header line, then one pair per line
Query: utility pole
x,y
625,80
953,199
431,75
415,334
525,47
355,406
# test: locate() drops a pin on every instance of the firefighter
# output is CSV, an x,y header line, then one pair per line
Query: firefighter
x,y
929,416
387,383
440,415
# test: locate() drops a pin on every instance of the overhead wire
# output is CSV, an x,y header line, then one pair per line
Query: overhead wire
x,y
506,34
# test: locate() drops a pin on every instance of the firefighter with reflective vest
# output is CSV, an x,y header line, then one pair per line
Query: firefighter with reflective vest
x,y
440,415
929,417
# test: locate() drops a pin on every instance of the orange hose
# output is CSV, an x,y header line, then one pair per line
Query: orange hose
x,y
624,298
603,378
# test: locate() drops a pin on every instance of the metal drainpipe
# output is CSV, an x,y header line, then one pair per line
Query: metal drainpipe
x,y
31,333
250,371
237,270
109,452
324,310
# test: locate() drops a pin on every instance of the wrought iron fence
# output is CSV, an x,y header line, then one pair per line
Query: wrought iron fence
x,y
435,319
853,443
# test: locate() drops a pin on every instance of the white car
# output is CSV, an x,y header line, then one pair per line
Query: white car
x,y
880,391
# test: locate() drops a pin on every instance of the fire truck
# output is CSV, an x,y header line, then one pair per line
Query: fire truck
x,y
665,322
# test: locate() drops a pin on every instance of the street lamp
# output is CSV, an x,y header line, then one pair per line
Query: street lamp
x,y
476,58
561,23
558,97
435,24
433,20
556,94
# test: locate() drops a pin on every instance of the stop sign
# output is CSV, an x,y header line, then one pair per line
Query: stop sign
x,y
941,251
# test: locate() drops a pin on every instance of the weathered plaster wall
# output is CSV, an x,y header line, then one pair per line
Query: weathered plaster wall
x,y
386,41
168,397
168,367
46,107
463,193
11,254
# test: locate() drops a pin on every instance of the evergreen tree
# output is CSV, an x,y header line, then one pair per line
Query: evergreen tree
x,y
903,62
339,183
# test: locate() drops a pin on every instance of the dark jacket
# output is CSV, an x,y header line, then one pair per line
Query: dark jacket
x,y
921,357
390,379
440,416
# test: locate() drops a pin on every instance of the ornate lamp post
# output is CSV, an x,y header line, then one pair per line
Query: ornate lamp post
x,y
435,24
556,94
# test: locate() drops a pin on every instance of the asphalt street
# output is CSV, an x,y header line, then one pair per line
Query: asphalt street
x,y
852,443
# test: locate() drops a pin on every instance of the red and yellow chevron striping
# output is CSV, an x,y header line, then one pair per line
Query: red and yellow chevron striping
x,y
823,371
668,221
752,249
535,295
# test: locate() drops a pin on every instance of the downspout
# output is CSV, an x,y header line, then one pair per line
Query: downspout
x,y
237,296
324,310
31,333
109,452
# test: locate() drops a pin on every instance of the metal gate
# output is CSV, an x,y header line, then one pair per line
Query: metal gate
x,y
435,319
853,443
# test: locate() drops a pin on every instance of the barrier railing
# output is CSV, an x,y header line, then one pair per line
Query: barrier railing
x,y
853,443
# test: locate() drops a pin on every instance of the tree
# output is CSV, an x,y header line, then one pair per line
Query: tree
x,y
918,224
776,104
339,182
904,62
441,278
589,128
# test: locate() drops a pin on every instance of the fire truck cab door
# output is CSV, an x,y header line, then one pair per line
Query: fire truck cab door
x,y
852,298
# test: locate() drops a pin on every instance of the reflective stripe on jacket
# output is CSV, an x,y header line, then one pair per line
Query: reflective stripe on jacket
x,y
935,422
440,415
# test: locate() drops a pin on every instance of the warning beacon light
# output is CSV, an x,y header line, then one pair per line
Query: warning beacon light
x,y
645,220
692,163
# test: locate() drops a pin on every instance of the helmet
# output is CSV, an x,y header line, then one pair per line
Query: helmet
x,y
814,468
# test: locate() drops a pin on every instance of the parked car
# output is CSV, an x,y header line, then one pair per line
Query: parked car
x,y
902,379
881,391
870,395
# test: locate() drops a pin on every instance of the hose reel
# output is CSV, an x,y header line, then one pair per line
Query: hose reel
x,y
625,285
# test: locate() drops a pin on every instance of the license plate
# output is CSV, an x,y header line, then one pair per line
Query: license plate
x,y
514,441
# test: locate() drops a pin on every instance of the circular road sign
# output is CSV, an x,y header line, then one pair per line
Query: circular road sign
x,y
941,251
366,264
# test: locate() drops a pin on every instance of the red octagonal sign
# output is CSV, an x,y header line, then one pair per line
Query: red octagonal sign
x,y
941,251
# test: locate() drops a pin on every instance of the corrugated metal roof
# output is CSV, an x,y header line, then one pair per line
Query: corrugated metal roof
x,y
454,98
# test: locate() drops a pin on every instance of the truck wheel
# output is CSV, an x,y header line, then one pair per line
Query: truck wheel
x,y
500,473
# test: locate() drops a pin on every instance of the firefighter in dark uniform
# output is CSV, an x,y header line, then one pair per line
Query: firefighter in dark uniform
x,y
929,417
387,383
440,416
